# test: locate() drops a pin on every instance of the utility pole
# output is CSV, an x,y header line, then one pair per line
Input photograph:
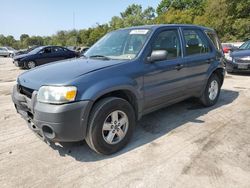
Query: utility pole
x,y
73,20
74,27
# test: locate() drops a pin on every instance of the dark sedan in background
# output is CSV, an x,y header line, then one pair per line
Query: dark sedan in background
x,y
42,55
239,60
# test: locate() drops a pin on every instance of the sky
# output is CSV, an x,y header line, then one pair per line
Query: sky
x,y
46,17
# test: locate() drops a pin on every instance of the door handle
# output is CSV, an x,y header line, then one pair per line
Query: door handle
x,y
209,61
179,66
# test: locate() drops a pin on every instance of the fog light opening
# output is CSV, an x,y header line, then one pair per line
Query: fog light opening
x,y
48,132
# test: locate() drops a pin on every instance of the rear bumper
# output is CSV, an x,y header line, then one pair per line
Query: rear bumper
x,y
58,123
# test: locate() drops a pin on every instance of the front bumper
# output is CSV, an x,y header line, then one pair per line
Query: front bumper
x,y
237,67
18,63
58,123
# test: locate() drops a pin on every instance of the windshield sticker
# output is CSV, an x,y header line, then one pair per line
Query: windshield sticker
x,y
139,32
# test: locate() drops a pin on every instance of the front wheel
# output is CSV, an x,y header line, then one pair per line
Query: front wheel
x,y
111,125
212,91
30,65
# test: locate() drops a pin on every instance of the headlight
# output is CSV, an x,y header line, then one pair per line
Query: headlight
x,y
56,94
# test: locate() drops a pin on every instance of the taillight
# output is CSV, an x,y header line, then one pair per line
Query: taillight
x,y
226,50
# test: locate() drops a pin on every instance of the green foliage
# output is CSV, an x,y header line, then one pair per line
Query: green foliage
x,y
133,16
166,5
230,18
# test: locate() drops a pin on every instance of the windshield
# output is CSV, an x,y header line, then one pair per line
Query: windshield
x,y
121,44
36,50
9,48
245,46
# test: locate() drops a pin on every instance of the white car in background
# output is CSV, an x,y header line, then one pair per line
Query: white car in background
x,y
7,51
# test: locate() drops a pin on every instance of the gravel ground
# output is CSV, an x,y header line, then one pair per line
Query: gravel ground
x,y
184,145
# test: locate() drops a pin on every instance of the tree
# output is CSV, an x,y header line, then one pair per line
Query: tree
x,y
230,18
133,16
23,37
165,5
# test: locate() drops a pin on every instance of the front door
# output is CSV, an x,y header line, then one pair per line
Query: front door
x,y
45,56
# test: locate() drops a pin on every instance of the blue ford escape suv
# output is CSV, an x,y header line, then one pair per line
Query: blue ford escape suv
x,y
125,75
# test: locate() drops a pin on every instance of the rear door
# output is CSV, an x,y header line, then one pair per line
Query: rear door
x,y
59,53
164,81
198,57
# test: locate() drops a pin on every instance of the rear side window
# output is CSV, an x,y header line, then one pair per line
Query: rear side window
x,y
195,42
213,37
58,49
3,49
169,41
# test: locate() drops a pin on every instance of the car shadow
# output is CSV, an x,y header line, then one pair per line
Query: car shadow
x,y
150,127
240,73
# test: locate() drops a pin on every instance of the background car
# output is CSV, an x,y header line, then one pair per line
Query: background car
x,y
42,55
7,51
238,61
228,47
82,50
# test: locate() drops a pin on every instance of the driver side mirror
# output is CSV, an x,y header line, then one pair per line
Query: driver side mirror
x,y
158,55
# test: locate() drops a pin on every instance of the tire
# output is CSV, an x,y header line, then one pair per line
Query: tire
x,y
210,95
30,64
105,139
11,55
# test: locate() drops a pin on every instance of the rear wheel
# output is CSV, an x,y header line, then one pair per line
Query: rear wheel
x,y
30,65
111,125
212,91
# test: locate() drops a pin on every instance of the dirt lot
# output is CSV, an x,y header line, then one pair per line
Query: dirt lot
x,y
184,145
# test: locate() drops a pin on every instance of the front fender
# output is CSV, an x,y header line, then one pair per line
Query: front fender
x,y
103,87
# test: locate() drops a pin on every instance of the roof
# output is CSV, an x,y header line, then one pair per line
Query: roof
x,y
156,26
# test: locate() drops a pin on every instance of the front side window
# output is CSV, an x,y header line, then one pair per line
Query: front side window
x,y
121,44
46,50
195,42
169,41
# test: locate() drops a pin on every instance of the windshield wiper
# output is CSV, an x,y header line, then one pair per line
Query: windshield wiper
x,y
100,56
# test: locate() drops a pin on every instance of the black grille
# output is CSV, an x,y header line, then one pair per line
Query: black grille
x,y
25,91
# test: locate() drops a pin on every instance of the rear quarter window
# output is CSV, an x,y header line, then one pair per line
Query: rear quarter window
x,y
196,42
214,39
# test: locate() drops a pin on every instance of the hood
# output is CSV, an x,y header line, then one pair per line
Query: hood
x,y
240,53
62,72
18,57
